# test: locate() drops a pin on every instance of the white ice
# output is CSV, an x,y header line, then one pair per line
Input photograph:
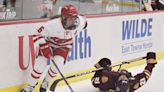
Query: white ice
x,y
154,84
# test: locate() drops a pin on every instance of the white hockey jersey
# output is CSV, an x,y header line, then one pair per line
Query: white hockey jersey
x,y
57,35
54,33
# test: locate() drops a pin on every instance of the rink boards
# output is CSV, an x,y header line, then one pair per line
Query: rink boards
x,y
119,37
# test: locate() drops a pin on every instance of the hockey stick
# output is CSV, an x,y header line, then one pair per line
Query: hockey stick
x,y
63,78
53,86
129,61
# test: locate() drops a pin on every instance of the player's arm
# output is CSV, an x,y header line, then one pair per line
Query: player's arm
x,y
96,79
141,78
42,46
101,76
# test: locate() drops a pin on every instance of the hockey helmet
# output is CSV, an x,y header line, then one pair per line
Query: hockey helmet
x,y
122,84
69,10
104,62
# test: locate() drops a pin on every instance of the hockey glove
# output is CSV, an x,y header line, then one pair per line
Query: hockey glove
x,y
151,58
46,50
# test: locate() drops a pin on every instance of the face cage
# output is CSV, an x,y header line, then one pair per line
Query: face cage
x,y
122,85
70,27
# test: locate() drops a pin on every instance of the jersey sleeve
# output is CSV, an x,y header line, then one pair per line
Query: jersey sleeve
x,y
82,24
39,39
43,30
140,79
40,34
96,79
105,80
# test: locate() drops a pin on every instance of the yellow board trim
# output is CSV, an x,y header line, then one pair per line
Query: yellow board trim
x,y
12,89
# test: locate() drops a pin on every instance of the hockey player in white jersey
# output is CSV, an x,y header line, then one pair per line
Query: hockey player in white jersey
x,y
53,41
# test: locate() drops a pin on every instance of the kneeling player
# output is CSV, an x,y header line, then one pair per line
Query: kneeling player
x,y
121,81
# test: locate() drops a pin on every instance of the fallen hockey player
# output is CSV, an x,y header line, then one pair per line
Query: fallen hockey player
x,y
122,80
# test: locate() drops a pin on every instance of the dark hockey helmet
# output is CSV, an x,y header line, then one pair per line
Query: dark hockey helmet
x,y
104,62
125,72
122,83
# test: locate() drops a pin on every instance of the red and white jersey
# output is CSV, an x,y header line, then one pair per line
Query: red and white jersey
x,y
57,36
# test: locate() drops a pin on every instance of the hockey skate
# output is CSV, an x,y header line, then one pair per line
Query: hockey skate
x,y
27,89
44,86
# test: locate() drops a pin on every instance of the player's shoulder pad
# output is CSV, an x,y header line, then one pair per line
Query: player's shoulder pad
x,y
86,23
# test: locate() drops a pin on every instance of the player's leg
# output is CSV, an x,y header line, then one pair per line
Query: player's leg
x,y
52,72
40,66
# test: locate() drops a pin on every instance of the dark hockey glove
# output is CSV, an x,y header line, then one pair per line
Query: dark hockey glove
x,y
105,63
151,58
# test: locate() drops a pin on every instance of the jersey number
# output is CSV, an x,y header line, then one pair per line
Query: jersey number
x,y
97,80
40,29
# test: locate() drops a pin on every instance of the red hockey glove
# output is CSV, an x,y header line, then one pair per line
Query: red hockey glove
x,y
46,50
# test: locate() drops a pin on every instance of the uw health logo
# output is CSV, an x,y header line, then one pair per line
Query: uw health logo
x,y
81,47
24,64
